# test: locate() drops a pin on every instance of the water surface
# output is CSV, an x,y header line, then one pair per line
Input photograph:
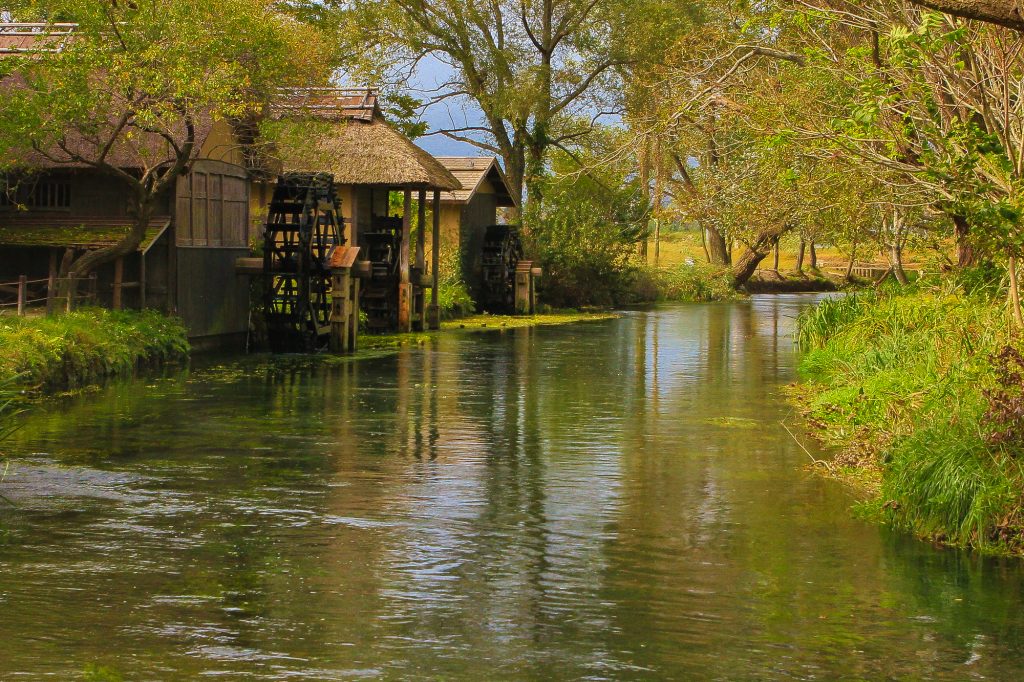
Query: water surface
x,y
612,500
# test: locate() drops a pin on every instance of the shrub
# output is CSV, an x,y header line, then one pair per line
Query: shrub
x,y
906,379
87,345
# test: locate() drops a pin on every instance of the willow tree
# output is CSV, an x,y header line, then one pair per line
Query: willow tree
x,y
130,91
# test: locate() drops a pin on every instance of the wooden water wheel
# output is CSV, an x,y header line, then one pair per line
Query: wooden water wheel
x,y
502,251
303,226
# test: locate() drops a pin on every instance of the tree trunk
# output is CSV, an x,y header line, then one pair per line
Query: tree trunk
x,y
1018,317
896,258
755,253
747,265
717,248
965,255
800,256
88,262
853,261
776,256
814,257
657,242
1001,12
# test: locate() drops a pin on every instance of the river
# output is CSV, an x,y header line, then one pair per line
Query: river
x,y
610,500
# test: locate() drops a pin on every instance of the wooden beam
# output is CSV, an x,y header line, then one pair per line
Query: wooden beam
x,y
421,263
403,263
434,316
421,232
405,287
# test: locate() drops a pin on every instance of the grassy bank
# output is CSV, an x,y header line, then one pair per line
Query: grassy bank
x,y
74,350
920,392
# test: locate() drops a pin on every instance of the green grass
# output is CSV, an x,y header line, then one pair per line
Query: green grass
x,y
86,346
897,382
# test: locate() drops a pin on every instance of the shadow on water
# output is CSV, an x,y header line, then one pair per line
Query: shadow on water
x,y
610,500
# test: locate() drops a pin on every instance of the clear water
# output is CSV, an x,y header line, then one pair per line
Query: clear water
x,y
613,500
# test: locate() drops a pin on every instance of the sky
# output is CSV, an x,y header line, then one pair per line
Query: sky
x,y
449,114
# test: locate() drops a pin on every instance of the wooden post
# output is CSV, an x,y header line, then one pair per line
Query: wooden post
x,y
69,305
22,294
421,264
405,287
118,282
523,276
51,282
353,326
421,232
434,317
340,313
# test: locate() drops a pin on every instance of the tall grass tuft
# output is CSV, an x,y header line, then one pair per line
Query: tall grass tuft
x,y
73,350
899,379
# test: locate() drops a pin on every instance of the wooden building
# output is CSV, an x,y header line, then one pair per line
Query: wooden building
x,y
467,213
375,168
185,264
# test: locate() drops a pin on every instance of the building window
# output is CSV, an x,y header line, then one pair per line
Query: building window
x,y
44,195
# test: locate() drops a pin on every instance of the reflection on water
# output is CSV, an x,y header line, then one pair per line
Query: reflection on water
x,y
611,500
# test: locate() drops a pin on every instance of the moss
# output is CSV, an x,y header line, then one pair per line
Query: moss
x,y
479,323
81,348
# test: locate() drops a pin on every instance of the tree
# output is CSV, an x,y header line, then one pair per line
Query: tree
x,y
131,90
542,72
935,102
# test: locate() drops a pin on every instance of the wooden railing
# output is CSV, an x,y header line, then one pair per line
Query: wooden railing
x,y
25,293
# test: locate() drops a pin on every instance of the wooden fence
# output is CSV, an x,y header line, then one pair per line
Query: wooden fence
x,y
25,293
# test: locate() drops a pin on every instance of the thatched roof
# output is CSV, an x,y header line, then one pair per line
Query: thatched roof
x,y
343,132
471,171
143,150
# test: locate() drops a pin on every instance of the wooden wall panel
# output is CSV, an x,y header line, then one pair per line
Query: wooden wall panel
x,y
212,206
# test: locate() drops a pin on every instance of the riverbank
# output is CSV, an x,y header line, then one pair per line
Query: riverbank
x,y
45,354
919,393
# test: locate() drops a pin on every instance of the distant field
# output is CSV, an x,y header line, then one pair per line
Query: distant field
x,y
677,247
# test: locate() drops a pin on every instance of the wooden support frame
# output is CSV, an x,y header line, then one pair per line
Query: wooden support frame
x,y
405,285
434,314
420,296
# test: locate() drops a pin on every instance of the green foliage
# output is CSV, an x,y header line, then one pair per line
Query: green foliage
x,y
453,295
899,379
585,234
8,413
683,283
83,347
